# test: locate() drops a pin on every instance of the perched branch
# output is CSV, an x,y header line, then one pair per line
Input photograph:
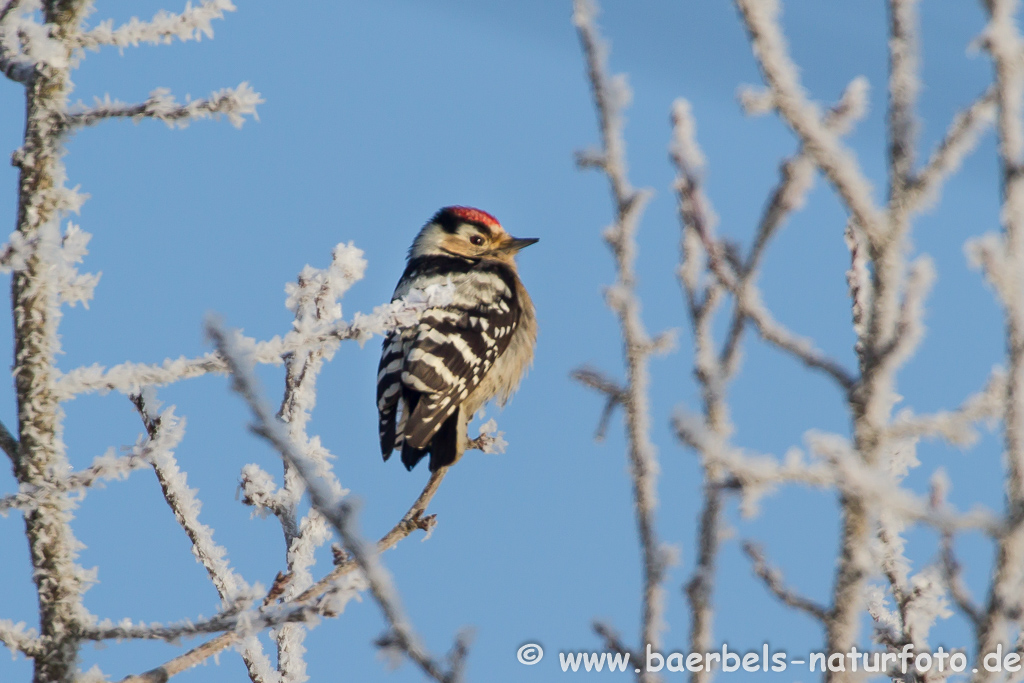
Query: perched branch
x,y
773,582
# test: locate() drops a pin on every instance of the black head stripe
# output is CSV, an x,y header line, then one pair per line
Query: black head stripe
x,y
450,223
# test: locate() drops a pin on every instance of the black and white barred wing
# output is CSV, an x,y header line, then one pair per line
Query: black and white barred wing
x,y
389,387
430,369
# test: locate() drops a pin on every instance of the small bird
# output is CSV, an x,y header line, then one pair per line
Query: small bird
x,y
433,377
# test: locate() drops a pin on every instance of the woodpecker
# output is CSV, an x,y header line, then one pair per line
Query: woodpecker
x,y
435,376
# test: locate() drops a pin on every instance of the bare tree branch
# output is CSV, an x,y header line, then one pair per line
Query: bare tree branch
x,y
233,103
614,394
959,141
796,177
609,99
1003,42
773,582
838,164
413,520
130,378
955,584
323,495
956,426
192,24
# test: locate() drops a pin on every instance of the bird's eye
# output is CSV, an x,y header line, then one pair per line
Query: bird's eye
x,y
477,240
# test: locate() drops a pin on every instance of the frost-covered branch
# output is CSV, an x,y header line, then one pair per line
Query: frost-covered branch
x,y
19,639
165,432
801,348
698,218
413,520
1005,269
34,53
24,42
956,426
788,96
904,85
796,179
130,378
959,141
611,95
773,581
714,367
314,299
232,103
324,493
250,619
838,466
887,305
193,23
104,467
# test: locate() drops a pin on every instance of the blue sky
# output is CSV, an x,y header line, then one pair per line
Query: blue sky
x,y
376,114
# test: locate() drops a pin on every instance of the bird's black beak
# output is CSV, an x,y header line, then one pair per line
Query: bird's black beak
x,y
518,243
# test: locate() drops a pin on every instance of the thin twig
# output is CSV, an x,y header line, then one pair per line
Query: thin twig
x,y
9,444
233,103
614,395
612,641
773,581
165,432
955,584
960,139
